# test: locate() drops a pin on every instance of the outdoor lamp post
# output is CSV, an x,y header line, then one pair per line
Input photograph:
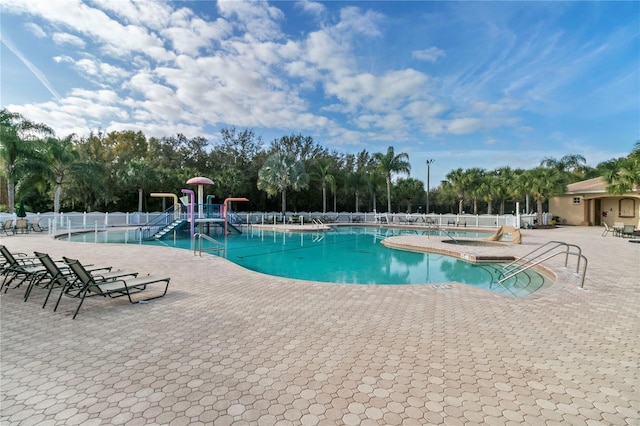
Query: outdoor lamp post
x,y
428,183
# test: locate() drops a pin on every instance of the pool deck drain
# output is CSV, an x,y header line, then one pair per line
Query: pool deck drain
x,y
230,346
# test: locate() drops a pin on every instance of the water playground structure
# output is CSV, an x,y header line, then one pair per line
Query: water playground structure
x,y
200,217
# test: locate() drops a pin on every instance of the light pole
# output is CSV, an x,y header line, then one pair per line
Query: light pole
x,y
428,183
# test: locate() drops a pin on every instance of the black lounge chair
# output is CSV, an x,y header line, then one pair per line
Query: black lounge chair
x,y
61,276
113,288
18,267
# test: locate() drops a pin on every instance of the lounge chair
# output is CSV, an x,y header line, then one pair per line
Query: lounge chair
x,y
627,230
18,267
607,230
115,288
22,226
617,229
55,275
7,227
35,225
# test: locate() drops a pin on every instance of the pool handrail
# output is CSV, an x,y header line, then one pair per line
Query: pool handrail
x,y
517,266
197,247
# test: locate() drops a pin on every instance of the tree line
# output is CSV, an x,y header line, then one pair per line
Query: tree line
x,y
117,171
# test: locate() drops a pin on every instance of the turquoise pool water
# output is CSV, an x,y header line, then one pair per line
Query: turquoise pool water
x,y
345,255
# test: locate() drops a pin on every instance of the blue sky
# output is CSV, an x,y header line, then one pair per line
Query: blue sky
x,y
468,84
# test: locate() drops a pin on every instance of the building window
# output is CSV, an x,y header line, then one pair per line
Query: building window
x,y
627,207
576,200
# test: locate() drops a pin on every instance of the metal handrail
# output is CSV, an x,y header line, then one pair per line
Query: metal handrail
x,y
580,256
510,267
218,246
517,266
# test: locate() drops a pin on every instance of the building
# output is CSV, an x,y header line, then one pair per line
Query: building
x,y
588,203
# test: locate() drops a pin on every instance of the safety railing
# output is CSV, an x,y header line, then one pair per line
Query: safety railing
x,y
523,263
197,247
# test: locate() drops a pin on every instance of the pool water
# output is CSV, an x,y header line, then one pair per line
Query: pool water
x,y
347,255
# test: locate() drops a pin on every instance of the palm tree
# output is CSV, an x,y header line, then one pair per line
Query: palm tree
x,y
16,133
280,172
457,181
62,162
355,182
543,183
623,175
373,182
389,164
322,170
474,178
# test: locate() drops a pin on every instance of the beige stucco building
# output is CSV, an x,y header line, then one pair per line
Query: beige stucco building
x,y
588,203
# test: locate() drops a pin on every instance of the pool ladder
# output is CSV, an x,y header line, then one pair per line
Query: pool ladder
x,y
197,247
518,266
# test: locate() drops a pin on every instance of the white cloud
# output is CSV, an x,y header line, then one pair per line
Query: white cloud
x,y
430,55
66,38
312,7
35,29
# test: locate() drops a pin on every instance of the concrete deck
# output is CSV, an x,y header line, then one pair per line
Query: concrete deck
x,y
228,346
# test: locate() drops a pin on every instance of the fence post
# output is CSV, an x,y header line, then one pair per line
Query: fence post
x,y
84,220
106,219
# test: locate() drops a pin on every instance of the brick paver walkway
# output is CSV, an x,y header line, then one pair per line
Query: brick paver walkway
x,y
229,346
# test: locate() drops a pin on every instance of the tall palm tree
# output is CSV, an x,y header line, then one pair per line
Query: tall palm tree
x,y
356,182
322,170
390,163
280,172
16,133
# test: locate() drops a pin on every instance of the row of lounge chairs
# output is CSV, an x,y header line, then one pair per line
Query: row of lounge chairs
x,y
73,279
21,225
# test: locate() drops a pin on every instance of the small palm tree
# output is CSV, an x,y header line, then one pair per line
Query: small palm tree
x,y
623,175
280,172
457,181
390,163
543,183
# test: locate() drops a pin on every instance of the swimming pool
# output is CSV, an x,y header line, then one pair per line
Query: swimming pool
x,y
346,255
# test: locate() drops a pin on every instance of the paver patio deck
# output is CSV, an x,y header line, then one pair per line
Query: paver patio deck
x,y
228,346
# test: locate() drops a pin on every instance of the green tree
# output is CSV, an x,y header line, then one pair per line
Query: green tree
x,y
281,172
457,181
543,183
322,170
62,164
16,148
139,175
623,175
409,189
389,164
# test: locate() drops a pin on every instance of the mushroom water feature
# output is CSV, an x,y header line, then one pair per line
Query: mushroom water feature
x,y
200,181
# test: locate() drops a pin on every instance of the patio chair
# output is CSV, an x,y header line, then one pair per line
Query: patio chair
x,y
627,230
607,230
61,276
7,227
35,225
18,267
22,226
617,229
115,288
